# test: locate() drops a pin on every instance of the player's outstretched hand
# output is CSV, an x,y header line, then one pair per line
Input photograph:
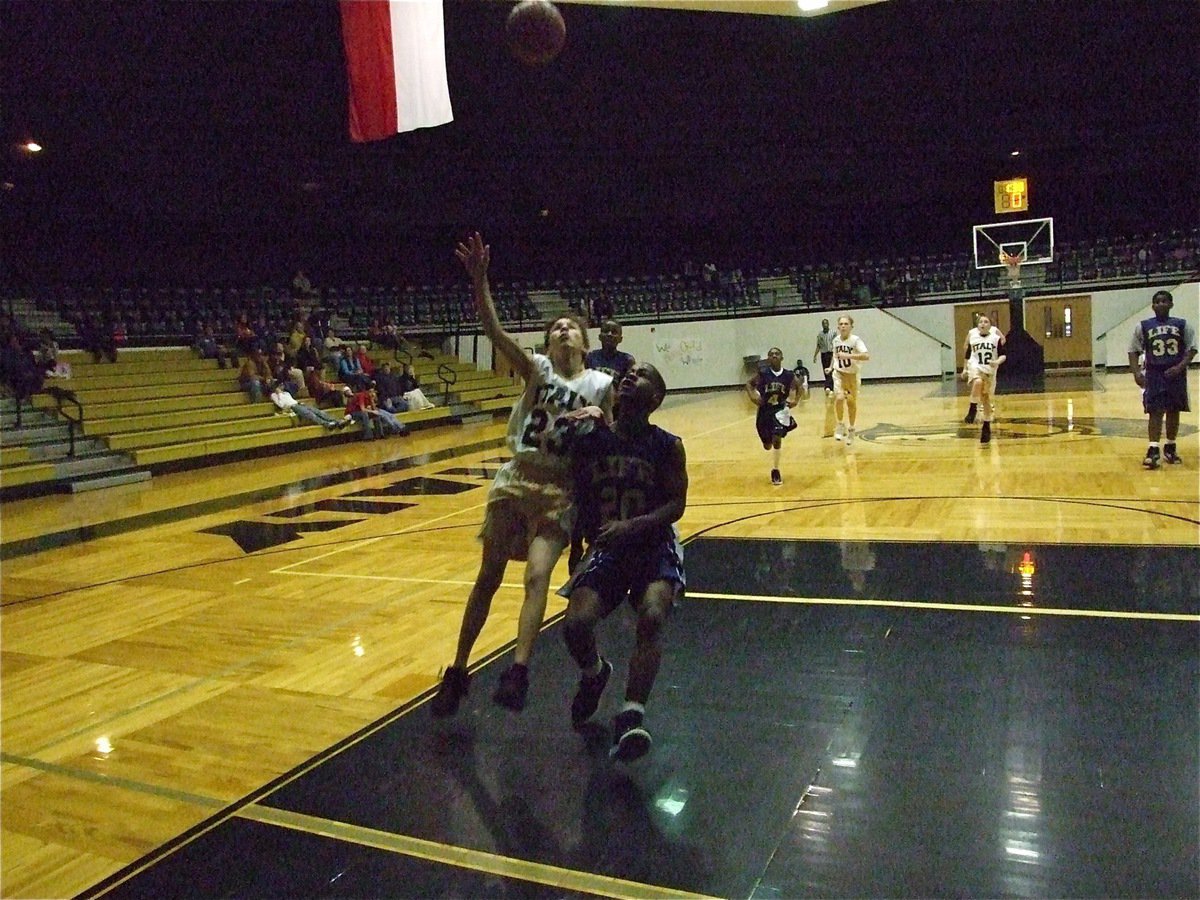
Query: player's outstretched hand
x,y
585,412
475,256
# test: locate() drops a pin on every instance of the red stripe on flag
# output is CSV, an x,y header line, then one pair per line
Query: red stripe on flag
x,y
367,35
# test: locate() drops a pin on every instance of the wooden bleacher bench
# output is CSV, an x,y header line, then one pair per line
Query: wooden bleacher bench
x,y
164,407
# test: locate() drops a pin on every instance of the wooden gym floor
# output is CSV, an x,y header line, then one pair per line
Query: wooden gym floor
x,y
921,667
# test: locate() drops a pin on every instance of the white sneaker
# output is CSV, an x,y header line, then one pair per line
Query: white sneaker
x,y
849,437
839,433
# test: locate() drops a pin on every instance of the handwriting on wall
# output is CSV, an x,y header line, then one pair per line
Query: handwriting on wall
x,y
680,351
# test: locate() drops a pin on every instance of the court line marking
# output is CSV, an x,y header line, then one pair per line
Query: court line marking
x,y
461,857
395,578
355,544
117,781
952,607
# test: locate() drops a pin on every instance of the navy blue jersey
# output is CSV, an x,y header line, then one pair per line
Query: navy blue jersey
x,y
774,389
619,478
1164,342
617,364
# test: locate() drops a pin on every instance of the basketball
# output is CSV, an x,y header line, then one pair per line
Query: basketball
x,y
536,32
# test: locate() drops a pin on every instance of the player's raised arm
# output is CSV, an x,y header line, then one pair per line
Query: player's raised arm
x,y
476,256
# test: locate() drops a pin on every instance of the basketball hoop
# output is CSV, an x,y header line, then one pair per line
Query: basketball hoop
x,y
1012,264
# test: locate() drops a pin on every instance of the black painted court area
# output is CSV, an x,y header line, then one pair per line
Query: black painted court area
x,y
800,750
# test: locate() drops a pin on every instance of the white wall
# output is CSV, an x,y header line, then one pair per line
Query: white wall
x,y
1113,337
710,353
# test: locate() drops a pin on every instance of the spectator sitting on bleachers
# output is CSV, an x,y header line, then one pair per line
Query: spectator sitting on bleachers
x,y
297,335
47,352
283,365
18,368
307,356
324,393
332,345
244,336
318,328
349,371
254,376
374,422
208,347
383,333
364,360
410,389
289,404
388,392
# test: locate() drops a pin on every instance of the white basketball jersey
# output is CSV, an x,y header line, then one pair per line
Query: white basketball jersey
x,y
984,349
535,432
852,344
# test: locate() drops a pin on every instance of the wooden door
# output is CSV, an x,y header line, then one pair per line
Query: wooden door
x,y
1063,326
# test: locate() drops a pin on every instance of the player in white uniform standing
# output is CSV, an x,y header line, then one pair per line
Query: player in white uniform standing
x,y
984,353
530,511
849,352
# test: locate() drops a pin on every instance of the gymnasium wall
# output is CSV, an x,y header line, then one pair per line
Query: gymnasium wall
x,y
905,342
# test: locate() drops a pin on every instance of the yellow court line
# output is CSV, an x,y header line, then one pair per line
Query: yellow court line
x,y
954,607
476,860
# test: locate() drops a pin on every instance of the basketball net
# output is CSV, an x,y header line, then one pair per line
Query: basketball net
x,y
1012,264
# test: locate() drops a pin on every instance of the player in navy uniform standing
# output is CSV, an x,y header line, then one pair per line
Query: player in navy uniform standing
x,y
608,359
776,391
1169,344
630,487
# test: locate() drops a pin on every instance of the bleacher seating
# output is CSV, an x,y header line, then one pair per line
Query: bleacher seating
x,y
166,408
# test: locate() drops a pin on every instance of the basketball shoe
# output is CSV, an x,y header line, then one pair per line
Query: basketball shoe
x,y
1151,460
587,698
455,684
630,740
1169,455
514,685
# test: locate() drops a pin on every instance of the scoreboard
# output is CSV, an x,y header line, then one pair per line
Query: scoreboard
x,y
1012,195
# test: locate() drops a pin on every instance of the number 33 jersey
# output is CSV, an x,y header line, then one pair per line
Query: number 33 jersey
x,y
1166,342
536,428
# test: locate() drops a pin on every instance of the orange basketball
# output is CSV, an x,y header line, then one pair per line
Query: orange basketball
x,y
536,32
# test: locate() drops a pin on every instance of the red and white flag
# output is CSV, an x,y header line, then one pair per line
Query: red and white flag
x,y
396,62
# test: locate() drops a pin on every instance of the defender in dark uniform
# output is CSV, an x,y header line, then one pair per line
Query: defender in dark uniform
x,y
611,361
608,359
1169,345
630,487
776,391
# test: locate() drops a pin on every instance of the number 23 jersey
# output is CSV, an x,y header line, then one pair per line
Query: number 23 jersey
x,y
535,429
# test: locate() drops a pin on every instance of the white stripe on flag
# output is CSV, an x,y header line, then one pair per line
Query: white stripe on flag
x,y
419,59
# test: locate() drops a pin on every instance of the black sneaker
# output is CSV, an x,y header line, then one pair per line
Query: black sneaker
x,y
587,698
455,684
776,478
970,419
985,433
1151,460
630,740
1170,456
514,685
